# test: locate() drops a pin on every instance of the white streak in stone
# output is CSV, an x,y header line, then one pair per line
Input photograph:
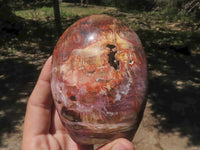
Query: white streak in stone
x,y
108,86
102,92
117,97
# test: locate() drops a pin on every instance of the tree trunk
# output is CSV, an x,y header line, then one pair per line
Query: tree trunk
x,y
56,9
81,2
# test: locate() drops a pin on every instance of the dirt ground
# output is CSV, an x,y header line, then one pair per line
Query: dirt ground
x,y
150,135
147,137
171,118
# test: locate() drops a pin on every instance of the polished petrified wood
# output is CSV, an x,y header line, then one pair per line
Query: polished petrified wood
x,y
99,77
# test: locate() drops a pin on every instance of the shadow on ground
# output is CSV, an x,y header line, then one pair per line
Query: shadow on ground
x,y
25,45
174,81
174,73
16,81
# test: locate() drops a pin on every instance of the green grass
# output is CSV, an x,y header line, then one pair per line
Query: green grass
x,y
38,13
66,10
168,26
81,11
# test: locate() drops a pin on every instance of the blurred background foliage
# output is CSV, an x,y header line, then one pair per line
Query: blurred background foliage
x,y
188,6
8,19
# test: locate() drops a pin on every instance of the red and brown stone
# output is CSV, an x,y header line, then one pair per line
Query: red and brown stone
x,y
99,80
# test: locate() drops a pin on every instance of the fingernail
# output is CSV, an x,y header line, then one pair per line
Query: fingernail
x,y
119,146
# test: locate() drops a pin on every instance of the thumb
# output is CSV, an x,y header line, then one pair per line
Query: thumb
x,y
118,144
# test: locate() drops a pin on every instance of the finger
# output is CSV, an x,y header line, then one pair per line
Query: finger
x,y
118,144
38,114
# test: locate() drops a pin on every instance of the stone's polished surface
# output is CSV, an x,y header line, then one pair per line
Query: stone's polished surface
x,y
99,80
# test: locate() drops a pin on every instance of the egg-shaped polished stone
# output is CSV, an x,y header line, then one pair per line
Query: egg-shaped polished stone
x,y
99,80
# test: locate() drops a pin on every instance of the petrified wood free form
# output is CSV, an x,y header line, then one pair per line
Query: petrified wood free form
x,y
99,77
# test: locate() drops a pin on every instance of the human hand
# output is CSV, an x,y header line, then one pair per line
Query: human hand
x,y
43,129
